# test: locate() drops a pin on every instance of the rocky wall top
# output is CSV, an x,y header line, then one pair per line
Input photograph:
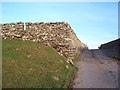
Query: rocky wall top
x,y
58,35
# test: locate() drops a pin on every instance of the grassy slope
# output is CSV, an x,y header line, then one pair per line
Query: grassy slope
x,y
32,65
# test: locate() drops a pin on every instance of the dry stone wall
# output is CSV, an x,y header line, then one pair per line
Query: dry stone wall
x,y
112,48
58,35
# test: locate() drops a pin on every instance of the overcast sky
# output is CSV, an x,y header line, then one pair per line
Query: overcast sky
x,y
94,23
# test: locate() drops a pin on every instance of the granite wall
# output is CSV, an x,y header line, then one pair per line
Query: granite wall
x,y
112,48
58,35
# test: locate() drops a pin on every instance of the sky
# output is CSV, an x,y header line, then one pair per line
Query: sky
x,y
94,23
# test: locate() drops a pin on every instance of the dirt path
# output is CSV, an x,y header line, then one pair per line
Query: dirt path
x,y
96,71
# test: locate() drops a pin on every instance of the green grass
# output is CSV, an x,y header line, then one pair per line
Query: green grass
x,y
27,64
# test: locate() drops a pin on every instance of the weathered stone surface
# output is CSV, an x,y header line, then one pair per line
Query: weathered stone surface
x,y
58,35
112,48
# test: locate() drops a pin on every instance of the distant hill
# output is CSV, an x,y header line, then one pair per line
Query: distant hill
x,y
112,48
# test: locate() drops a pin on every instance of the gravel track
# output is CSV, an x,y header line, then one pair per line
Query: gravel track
x,y
96,70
